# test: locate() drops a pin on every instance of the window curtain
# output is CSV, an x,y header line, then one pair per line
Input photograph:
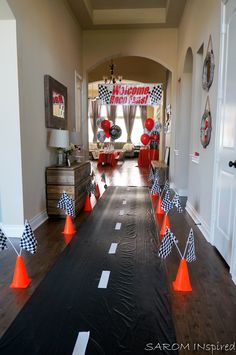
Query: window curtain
x,y
129,113
94,113
143,113
111,113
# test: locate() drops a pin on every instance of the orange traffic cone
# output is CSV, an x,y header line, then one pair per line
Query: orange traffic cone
x,y
87,206
20,277
165,224
154,197
97,192
69,227
182,282
159,210
67,238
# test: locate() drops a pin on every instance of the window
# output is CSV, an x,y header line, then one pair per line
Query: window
x,y
137,128
121,122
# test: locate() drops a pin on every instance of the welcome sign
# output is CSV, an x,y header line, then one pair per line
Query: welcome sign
x,y
129,94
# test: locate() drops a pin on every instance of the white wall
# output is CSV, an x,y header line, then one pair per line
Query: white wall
x,y
49,42
11,199
201,19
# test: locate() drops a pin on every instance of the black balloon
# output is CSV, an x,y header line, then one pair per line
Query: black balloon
x,y
115,132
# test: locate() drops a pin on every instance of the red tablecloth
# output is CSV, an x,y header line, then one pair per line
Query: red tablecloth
x,y
108,158
146,155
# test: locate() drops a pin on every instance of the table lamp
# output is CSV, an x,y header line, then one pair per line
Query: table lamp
x,y
59,139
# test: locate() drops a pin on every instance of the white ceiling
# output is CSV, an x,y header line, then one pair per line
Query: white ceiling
x,y
119,14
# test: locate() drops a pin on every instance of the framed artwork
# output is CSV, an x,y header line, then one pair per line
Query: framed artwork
x,y
55,96
205,131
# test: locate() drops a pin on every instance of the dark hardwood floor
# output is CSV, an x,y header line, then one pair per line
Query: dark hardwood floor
x,y
205,316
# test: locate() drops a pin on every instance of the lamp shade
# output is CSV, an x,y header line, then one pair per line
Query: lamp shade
x,y
59,138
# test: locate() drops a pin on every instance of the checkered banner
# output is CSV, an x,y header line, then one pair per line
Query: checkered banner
x,y
129,94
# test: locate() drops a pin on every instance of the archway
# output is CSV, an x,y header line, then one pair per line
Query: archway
x,y
136,69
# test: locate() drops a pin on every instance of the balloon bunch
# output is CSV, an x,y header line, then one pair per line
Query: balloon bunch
x,y
109,130
152,132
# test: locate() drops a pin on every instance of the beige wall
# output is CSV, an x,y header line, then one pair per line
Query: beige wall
x,y
201,19
49,42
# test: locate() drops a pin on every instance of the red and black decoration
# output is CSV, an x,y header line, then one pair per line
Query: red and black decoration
x,y
152,135
206,125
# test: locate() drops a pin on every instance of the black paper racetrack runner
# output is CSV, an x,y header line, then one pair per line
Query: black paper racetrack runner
x,y
131,317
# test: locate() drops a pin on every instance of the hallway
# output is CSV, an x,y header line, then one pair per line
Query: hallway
x,y
205,316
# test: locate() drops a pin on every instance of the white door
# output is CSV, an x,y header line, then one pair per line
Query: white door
x,y
224,236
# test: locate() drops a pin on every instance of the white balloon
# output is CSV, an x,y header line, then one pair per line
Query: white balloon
x,y
98,122
101,136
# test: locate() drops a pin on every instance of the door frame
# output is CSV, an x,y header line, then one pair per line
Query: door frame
x,y
219,116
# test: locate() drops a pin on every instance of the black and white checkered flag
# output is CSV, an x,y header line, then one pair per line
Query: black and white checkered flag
x,y
191,248
166,203
3,241
166,187
91,188
151,175
104,94
103,177
156,95
176,203
66,203
166,244
28,241
155,189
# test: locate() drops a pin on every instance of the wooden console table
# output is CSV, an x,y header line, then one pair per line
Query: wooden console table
x,y
73,180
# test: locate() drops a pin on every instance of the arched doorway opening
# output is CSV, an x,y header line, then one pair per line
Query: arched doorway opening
x,y
133,69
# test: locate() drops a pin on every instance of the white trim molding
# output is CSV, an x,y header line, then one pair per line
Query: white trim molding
x,y
201,224
15,230
39,219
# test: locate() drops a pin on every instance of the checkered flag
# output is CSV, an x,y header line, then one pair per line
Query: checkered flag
x,y
91,188
166,203
151,175
103,177
104,94
166,244
3,241
166,187
176,203
66,203
28,241
156,95
155,189
191,248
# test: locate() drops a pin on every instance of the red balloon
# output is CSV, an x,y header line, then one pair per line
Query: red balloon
x,y
107,133
145,138
149,123
105,125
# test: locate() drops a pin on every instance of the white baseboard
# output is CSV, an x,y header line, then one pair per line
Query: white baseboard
x,y
15,231
39,219
203,226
